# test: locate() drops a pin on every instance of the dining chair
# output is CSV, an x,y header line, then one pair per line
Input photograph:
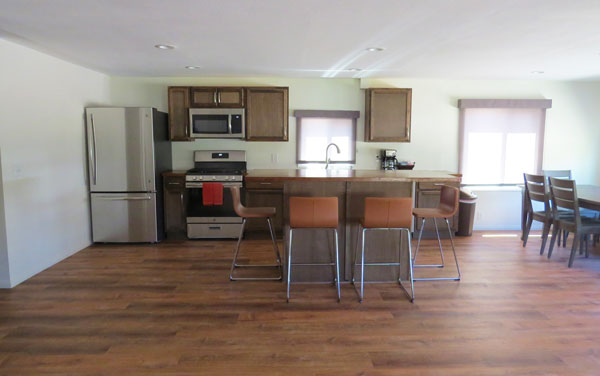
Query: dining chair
x,y
535,191
559,174
563,193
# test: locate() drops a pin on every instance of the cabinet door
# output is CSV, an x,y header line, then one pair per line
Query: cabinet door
x,y
272,198
267,114
232,97
179,103
175,203
204,97
387,115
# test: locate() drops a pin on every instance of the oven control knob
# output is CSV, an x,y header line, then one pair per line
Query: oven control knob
x,y
214,178
199,177
226,177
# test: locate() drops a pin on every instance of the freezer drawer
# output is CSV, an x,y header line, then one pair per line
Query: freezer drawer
x,y
124,217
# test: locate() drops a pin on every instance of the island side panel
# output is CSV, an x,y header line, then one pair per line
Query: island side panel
x,y
381,246
315,245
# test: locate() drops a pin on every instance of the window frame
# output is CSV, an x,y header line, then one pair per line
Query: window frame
x,y
325,114
465,104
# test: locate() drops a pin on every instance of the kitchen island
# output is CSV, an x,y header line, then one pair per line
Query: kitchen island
x,y
350,187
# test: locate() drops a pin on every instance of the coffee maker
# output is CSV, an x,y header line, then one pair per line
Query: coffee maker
x,y
388,159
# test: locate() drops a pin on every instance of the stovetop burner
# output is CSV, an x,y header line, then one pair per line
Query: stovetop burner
x,y
201,171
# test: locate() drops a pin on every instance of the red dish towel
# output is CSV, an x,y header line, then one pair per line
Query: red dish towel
x,y
212,194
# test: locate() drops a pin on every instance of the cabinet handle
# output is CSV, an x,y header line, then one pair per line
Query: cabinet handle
x,y
171,183
219,97
183,211
215,97
265,183
95,159
214,227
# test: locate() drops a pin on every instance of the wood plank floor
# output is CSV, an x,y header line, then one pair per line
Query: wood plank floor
x,y
170,309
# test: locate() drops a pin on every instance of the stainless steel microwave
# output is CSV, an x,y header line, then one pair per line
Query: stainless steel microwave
x,y
217,123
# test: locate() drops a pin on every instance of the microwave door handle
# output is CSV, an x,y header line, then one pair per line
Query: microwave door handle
x,y
229,123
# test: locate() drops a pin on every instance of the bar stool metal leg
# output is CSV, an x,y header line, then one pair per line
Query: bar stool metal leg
x,y
455,260
362,232
337,266
410,272
275,247
237,250
235,265
437,233
419,239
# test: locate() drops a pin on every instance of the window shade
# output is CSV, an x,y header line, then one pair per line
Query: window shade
x,y
499,144
317,129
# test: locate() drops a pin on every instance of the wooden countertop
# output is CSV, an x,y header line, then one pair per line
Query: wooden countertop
x,y
174,173
351,175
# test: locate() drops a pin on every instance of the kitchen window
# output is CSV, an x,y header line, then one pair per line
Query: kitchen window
x,y
500,139
316,129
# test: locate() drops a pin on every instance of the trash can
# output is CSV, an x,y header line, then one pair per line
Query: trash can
x,y
466,212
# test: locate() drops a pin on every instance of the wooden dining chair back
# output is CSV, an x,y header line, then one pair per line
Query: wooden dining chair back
x,y
563,193
560,174
535,191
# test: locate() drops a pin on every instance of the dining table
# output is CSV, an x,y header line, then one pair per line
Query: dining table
x,y
587,195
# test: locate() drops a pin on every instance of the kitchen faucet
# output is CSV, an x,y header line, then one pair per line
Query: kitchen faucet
x,y
327,159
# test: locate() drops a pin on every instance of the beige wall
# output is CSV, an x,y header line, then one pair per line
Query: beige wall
x,y
43,156
571,127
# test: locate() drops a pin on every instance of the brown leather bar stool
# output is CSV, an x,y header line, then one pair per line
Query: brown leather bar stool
x,y
385,214
245,213
447,208
314,213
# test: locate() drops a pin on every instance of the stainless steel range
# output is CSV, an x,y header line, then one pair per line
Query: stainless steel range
x,y
214,221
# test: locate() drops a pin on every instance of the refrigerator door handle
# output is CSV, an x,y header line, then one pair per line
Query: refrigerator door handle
x,y
94,160
123,198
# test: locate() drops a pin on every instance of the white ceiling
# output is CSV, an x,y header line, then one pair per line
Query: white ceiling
x,y
316,38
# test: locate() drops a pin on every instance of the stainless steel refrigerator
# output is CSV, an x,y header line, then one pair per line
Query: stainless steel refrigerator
x,y
128,149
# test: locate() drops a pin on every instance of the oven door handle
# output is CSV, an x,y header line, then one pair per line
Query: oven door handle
x,y
225,185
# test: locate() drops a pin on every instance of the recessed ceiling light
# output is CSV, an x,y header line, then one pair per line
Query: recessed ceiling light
x,y
353,69
192,67
164,46
374,49
537,72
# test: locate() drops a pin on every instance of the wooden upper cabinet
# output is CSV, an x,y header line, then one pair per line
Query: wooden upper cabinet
x,y
230,97
387,115
205,97
267,114
179,102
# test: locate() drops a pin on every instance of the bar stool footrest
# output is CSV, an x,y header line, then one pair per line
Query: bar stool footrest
x,y
257,265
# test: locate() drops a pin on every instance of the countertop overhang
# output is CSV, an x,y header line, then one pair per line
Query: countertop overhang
x,y
351,175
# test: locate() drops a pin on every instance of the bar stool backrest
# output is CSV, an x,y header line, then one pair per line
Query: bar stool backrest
x,y
237,201
314,212
536,190
449,200
388,212
564,196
